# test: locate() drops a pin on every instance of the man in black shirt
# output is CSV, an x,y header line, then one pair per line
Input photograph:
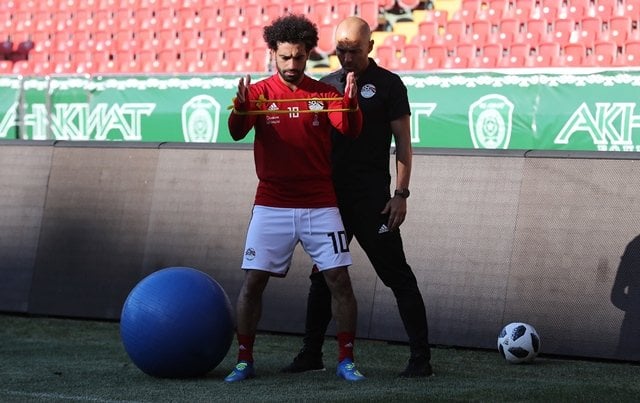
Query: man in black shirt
x,y
362,181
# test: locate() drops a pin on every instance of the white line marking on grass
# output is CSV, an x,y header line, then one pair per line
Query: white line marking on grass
x,y
62,396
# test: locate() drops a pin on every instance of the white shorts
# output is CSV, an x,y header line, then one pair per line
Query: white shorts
x,y
274,233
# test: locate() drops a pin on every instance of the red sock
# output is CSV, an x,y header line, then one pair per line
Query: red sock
x,y
245,347
345,345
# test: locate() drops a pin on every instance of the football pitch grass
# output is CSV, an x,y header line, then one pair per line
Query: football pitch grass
x,y
65,360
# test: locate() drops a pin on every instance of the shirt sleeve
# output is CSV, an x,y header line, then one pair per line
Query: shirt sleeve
x,y
238,123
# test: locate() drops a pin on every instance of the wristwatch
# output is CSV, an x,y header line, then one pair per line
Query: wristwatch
x,y
404,193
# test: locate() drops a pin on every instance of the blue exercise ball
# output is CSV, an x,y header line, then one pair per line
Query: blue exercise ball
x,y
177,323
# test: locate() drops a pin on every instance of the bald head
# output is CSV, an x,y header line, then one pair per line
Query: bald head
x,y
353,29
353,44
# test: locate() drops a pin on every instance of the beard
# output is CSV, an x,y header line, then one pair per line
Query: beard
x,y
291,76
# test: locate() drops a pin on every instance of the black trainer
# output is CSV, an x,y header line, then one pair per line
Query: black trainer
x,y
305,361
417,368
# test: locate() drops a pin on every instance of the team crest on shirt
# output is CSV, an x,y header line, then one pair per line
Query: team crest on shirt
x,y
315,105
368,91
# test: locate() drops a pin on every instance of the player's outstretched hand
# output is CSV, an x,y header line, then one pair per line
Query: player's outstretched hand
x,y
351,89
243,89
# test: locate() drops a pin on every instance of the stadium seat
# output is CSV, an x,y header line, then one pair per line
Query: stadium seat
x,y
577,50
481,27
425,41
591,23
511,61
520,9
495,50
632,48
567,25
605,48
603,60
437,51
563,37
494,16
626,60
326,44
618,29
551,49
384,55
22,67
512,25
456,31
429,63
441,17
466,49
343,9
396,41
367,10
272,10
537,26
259,59
537,61
574,10
567,61
455,62
413,51
484,62
6,67
428,28
604,11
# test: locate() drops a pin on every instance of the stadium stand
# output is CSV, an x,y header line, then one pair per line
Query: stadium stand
x,y
198,36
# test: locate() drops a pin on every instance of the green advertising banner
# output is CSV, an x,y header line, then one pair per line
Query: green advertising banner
x,y
580,109
9,105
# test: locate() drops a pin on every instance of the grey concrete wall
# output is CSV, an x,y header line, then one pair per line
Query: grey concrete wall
x,y
492,237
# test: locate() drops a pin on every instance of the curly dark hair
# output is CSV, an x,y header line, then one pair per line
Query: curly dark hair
x,y
291,29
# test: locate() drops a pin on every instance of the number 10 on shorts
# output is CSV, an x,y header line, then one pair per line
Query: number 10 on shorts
x,y
339,240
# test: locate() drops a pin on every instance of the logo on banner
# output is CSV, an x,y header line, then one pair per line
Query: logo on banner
x,y
490,120
200,118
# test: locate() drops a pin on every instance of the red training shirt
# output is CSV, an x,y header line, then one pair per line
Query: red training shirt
x,y
292,150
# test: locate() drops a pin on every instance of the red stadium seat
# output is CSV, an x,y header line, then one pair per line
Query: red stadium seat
x,y
537,26
511,61
455,62
593,24
605,48
627,59
577,50
368,10
495,50
396,41
6,67
344,8
429,63
441,17
484,62
437,51
603,60
385,54
22,67
551,49
428,28
466,50
537,61
632,48
326,44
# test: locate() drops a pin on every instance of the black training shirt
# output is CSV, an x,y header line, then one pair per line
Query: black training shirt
x,y
362,163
